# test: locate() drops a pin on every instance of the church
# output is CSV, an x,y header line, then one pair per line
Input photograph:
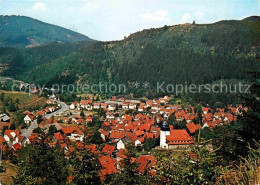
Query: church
x,y
174,138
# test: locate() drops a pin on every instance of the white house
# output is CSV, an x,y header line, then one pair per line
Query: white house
x,y
74,120
26,142
74,105
226,119
125,105
4,117
76,137
111,107
132,106
154,111
162,100
155,107
110,115
103,105
120,145
86,104
205,125
162,111
138,143
140,109
103,136
11,135
96,106
52,96
28,119
50,101
51,109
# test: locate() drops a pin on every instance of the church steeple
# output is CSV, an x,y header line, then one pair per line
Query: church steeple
x,y
165,126
165,131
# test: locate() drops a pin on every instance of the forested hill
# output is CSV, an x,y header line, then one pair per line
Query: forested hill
x,y
21,31
21,60
188,53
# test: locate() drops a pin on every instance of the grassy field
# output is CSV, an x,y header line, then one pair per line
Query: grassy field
x,y
25,100
166,153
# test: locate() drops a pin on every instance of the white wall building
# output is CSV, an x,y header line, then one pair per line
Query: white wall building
x,y
27,119
120,145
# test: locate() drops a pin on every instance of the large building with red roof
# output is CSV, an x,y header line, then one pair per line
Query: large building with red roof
x,y
174,138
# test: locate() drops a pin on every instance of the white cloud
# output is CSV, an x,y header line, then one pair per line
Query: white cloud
x,y
195,16
39,6
160,15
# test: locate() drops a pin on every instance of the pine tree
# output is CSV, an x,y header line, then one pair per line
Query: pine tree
x,y
11,107
52,130
39,119
251,118
129,173
85,167
82,114
42,164
13,127
4,109
2,96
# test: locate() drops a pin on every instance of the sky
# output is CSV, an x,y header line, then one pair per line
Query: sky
x,y
113,19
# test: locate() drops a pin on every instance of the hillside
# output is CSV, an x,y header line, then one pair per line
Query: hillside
x,y
252,18
21,31
188,53
17,61
25,100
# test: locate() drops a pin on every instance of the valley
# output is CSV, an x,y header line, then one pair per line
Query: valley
x,y
65,120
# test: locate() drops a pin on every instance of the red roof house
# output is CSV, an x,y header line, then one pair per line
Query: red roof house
x,y
145,163
107,164
17,146
192,127
108,149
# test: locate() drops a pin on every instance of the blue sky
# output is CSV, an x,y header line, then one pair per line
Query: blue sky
x,y
114,19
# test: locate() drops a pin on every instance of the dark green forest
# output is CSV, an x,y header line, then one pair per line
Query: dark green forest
x,y
29,58
21,31
180,54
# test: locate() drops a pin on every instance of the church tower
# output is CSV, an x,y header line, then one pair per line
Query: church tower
x,y
165,131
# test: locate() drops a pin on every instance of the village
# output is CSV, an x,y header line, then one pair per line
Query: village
x,y
123,120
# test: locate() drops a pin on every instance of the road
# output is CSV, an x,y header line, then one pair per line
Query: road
x,y
27,132
63,108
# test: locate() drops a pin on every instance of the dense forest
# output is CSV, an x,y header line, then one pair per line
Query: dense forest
x,y
26,59
21,31
180,54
